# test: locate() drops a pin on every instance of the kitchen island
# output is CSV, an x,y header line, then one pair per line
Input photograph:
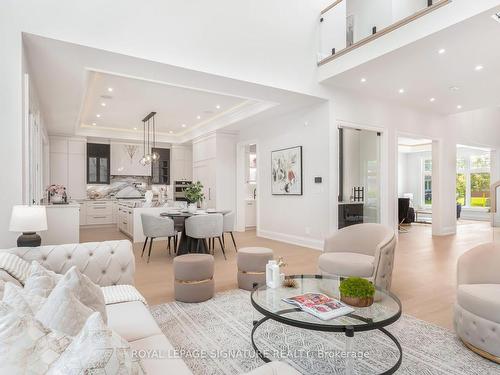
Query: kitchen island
x,y
63,224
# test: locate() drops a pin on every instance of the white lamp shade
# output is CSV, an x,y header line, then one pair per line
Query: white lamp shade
x,y
28,219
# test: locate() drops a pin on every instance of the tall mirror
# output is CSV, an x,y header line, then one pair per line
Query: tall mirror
x,y
359,176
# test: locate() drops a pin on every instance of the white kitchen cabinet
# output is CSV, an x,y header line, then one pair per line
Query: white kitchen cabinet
x,y
125,160
68,165
250,214
182,163
114,218
99,212
125,220
204,171
83,213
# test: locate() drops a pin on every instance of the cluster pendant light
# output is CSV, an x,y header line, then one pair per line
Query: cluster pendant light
x,y
149,140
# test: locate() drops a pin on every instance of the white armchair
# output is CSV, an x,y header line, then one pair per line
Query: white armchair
x,y
477,310
363,250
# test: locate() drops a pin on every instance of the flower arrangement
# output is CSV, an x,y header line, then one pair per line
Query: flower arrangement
x,y
56,193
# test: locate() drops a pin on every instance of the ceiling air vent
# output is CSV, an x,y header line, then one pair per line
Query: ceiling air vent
x,y
496,17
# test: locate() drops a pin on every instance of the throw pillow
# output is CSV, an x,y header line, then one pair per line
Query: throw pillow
x,y
96,349
41,281
2,287
85,290
26,346
21,300
63,312
15,266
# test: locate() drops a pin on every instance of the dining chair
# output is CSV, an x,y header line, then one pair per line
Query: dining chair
x,y
158,227
205,227
229,228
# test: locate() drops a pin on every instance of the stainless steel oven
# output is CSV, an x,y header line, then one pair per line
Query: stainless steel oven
x,y
179,187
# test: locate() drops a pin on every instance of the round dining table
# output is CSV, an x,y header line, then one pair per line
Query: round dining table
x,y
185,243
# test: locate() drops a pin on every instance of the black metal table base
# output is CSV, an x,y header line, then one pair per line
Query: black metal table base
x,y
392,370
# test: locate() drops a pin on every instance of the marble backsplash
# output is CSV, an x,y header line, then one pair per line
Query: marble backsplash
x,y
118,183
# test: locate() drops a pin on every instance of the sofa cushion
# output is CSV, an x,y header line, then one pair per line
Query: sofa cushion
x,y
481,299
131,320
157,356
346,264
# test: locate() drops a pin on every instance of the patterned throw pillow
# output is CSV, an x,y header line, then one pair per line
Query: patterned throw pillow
x,y
85,290
26,346
96,350
2,287
41,281
63,312
15,266
21,300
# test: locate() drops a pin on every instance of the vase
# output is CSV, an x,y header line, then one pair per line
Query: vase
x,y
56,198
357,301
192,207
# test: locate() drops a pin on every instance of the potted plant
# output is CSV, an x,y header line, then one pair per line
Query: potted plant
x,y
194,195
356,291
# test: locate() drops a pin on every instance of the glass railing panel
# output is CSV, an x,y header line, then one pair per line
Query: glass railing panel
x,y
346,24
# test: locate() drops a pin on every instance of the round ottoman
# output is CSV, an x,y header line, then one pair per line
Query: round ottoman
x,y
193,277
251,263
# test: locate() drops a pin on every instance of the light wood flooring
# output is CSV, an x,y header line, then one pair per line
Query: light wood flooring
x,y
424,270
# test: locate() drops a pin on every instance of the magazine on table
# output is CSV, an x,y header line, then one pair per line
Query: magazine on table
x,y
320,305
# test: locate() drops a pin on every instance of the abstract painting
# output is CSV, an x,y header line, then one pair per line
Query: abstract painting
x,y
286,171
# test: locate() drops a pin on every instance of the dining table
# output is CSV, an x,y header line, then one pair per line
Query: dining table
x,y
185,243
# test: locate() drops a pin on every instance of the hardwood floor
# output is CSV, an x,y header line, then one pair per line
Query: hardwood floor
x,y
424,270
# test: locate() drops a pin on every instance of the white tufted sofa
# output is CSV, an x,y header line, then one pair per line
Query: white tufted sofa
x,y
363,250
477,310
113,263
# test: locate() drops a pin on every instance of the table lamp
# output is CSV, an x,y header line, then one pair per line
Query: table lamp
x,y
28,219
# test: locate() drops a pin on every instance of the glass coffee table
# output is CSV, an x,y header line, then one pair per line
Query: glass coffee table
x,y
385,310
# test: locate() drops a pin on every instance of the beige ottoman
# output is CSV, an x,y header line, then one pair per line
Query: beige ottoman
x,y
193,277
251,263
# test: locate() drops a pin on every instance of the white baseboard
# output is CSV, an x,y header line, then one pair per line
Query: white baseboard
x,y
294,240
446,231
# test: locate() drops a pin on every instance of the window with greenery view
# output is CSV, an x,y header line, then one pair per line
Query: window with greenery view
x,y
427,182
473,177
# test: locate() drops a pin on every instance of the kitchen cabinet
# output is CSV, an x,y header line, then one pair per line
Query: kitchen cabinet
x,y
99,212
83,213
125,219
125,160
250,213
204,171
160,169
68,165
182,163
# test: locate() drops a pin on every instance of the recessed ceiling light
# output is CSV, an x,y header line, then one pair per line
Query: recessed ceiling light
x,y
135,128
110,89
198,117
170,132
454,88
441,51
183,125
401,91
98,115
103,104
94,124
478,68
363,80
459,106
217,106
432,99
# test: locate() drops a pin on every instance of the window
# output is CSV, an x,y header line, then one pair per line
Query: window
x,y
97,163
473,177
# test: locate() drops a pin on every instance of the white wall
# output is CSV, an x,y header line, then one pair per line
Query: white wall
x,y
302,219
411,175
368,14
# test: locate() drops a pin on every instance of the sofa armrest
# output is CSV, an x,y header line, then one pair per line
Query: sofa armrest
x,y
105,263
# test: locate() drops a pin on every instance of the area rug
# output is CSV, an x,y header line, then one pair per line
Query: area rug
x,y
213,337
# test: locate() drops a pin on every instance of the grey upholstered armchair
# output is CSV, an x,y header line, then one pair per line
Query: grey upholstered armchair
x,y
363,250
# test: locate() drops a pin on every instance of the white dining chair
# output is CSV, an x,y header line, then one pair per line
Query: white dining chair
x,y
205,227
229,228
158,227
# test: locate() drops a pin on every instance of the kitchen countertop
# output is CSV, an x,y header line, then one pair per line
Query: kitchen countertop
x,y
351,202
69,205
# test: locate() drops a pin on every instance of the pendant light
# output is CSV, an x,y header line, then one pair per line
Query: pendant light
x,y
149,140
